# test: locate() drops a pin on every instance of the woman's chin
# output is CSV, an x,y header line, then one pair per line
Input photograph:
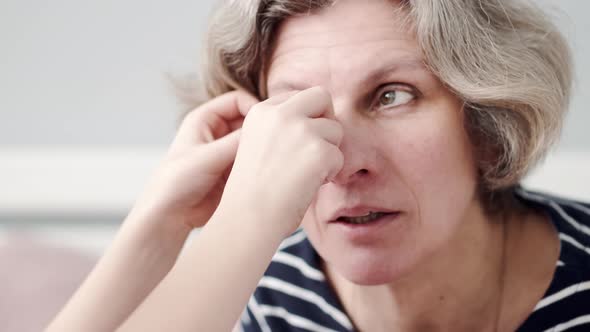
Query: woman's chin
x,y
369,280
369,266
372,274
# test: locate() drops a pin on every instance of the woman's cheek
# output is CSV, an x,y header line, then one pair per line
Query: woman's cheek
x,y
431,155
415,151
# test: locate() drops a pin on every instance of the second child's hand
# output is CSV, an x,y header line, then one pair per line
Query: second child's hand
x,y
187,186
181,194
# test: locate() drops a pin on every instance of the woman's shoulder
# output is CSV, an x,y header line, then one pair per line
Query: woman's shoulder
x,y
294,294
570,217
565,304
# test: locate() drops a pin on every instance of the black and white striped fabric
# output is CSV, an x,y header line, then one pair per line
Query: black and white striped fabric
x,y
294,296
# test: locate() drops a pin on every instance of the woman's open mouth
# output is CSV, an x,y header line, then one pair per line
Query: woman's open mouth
x,y
366,228
360,220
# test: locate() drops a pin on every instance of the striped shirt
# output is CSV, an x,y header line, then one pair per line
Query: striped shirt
x,y
294,295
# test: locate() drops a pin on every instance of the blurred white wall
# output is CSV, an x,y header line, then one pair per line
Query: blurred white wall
x,y
92,73
86,110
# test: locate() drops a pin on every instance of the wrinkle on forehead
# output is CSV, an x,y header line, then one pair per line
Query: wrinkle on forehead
x,y
289,45
316,31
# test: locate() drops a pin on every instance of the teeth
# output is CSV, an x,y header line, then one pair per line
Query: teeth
x,y
362,219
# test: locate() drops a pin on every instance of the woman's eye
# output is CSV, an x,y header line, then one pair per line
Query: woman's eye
x,y
394,97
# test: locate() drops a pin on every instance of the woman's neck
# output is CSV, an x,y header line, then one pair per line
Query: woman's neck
x,y
460,288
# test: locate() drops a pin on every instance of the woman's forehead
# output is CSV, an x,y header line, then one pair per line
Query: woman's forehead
x,y
347,20
360,39
374,36
348,26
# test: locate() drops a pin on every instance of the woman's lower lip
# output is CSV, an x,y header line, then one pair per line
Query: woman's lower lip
x,y
356,232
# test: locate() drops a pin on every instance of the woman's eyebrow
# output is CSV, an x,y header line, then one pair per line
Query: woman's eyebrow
x,y
288,85
405,64
378,73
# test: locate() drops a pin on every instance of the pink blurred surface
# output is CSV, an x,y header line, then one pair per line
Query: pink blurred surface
x,y
36,280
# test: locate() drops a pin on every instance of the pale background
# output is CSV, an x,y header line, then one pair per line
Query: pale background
x,y
86,111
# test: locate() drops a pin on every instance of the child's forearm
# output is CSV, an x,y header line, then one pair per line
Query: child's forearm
x,y
141,254
211,282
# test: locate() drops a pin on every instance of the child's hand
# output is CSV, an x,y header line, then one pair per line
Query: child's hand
x,y
289,147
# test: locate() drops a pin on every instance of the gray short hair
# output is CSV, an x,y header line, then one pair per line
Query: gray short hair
x,y
504,58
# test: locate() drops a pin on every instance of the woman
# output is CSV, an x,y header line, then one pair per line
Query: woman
x,y
395,133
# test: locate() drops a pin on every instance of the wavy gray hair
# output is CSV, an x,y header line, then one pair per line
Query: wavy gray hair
x,y
504,58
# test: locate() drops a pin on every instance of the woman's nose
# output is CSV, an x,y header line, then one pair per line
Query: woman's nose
x,y
347,176
356,144
358,155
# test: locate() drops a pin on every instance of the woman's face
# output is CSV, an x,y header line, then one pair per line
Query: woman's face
x,y
405,148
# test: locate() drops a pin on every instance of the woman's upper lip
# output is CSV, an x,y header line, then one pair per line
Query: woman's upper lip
x,y
357,211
